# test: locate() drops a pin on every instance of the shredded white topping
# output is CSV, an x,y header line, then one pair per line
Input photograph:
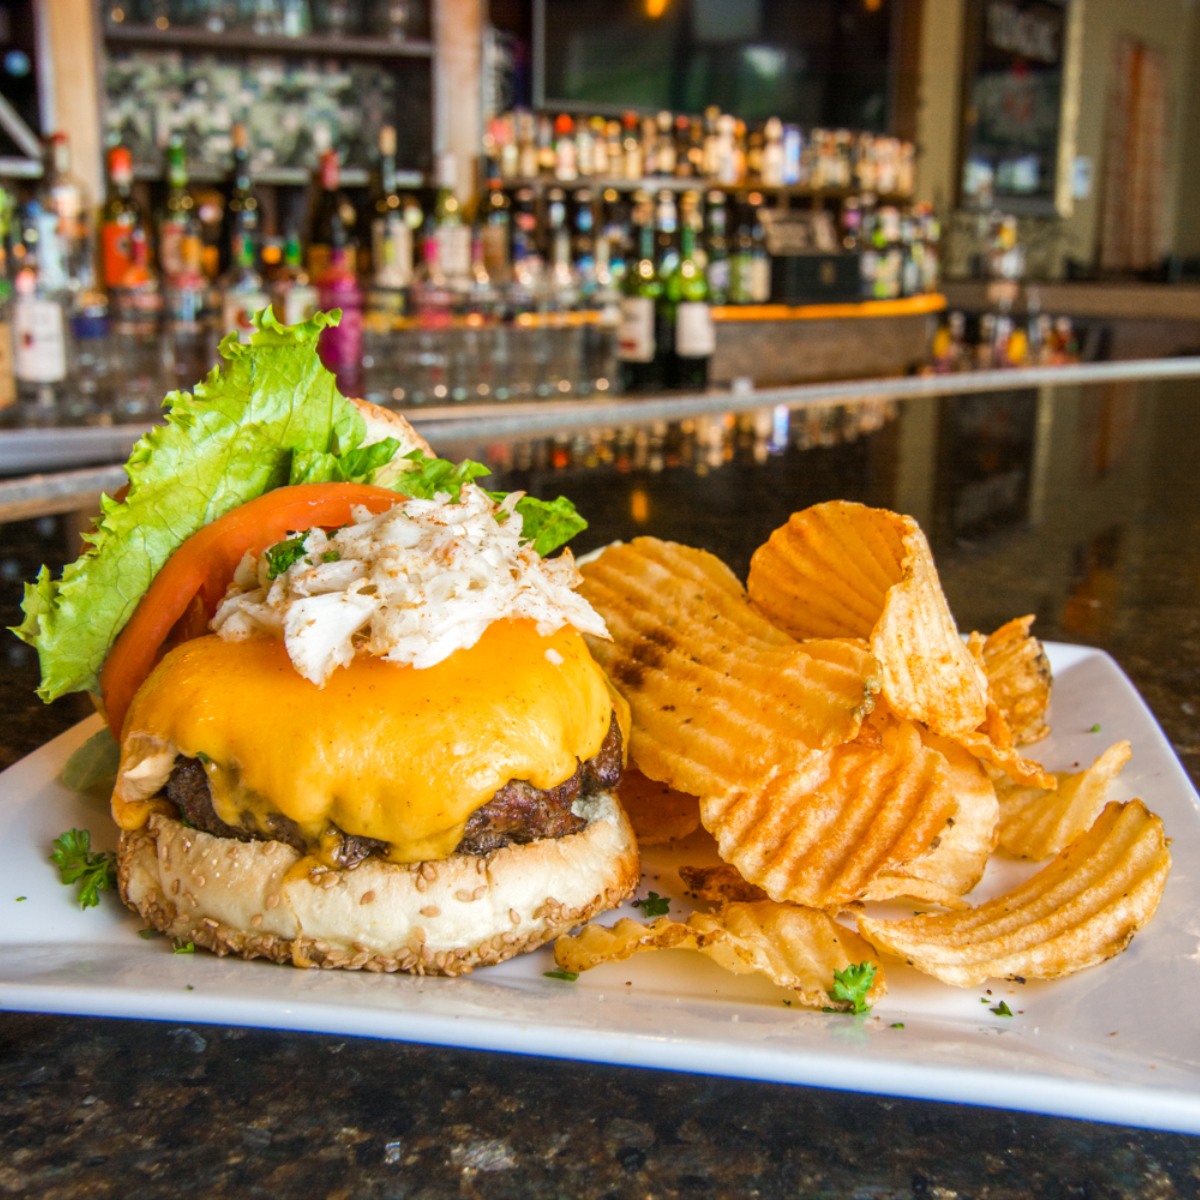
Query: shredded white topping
x,y
411,585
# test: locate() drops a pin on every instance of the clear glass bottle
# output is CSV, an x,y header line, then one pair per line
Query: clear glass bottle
x,y
243,291
135,314
294,296
65,236
39,327
391,236
451,230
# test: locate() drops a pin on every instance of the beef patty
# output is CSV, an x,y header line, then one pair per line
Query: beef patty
x,y
518,813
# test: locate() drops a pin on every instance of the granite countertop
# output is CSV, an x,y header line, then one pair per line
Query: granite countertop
x,y
1078,505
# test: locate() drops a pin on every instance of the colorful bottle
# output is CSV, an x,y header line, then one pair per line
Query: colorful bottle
x,y
294,296
331,210
639,363
177,216
119,218
242,214
689,321
340,346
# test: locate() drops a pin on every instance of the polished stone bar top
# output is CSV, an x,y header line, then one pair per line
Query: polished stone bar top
x,y
1078,504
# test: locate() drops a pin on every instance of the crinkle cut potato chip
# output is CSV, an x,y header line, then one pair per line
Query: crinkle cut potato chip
x,y
657,812
719,696
1036,823
1019,678
796,948
842,569
1080,909
719,883
956,860
821,831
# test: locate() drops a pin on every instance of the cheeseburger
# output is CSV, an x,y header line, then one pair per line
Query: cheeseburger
x,y
358,723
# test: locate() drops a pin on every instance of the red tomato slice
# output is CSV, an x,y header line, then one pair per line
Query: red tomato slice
x,y
184,595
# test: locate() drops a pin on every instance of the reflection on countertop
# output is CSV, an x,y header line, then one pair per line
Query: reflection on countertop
x,y
1077,504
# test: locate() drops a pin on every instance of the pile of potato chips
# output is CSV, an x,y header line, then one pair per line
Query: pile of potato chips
x,y
843,744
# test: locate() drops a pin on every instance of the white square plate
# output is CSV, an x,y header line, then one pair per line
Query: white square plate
x,y
1119,1042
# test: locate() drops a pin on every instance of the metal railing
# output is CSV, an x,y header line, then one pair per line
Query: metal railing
x,y
38,491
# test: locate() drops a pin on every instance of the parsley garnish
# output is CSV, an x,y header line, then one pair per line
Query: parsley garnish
x,y
852,985
1095,728
547,524
566,976
654,905
1001,1010
331,556
95,871
434,475
283,554
179,946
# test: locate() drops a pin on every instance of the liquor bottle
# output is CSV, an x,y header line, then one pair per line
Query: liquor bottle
x,y
496,218
665,151
135,306
639,365
583,239
187,315
242,214
716,238
340,346
331,210
601,166
666,233
451,231
243,292
64,238
544,140
433,312
8,378
632,159
562,332
772,163
39,327
391,235
526,142
688,320
294,297
599,365
566,158
178,213
120,216
760,264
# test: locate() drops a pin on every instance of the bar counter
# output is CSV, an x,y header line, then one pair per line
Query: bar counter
x,y
1078,504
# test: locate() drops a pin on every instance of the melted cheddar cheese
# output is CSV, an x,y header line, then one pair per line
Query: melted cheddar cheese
x,y
384,751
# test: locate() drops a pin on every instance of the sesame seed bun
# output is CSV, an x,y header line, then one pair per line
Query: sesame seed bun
x,y
257,900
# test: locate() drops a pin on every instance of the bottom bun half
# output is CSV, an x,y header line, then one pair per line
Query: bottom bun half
x,y
265,900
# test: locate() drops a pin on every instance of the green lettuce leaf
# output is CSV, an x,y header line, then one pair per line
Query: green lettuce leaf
x,y
236,436
549,524
351,466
